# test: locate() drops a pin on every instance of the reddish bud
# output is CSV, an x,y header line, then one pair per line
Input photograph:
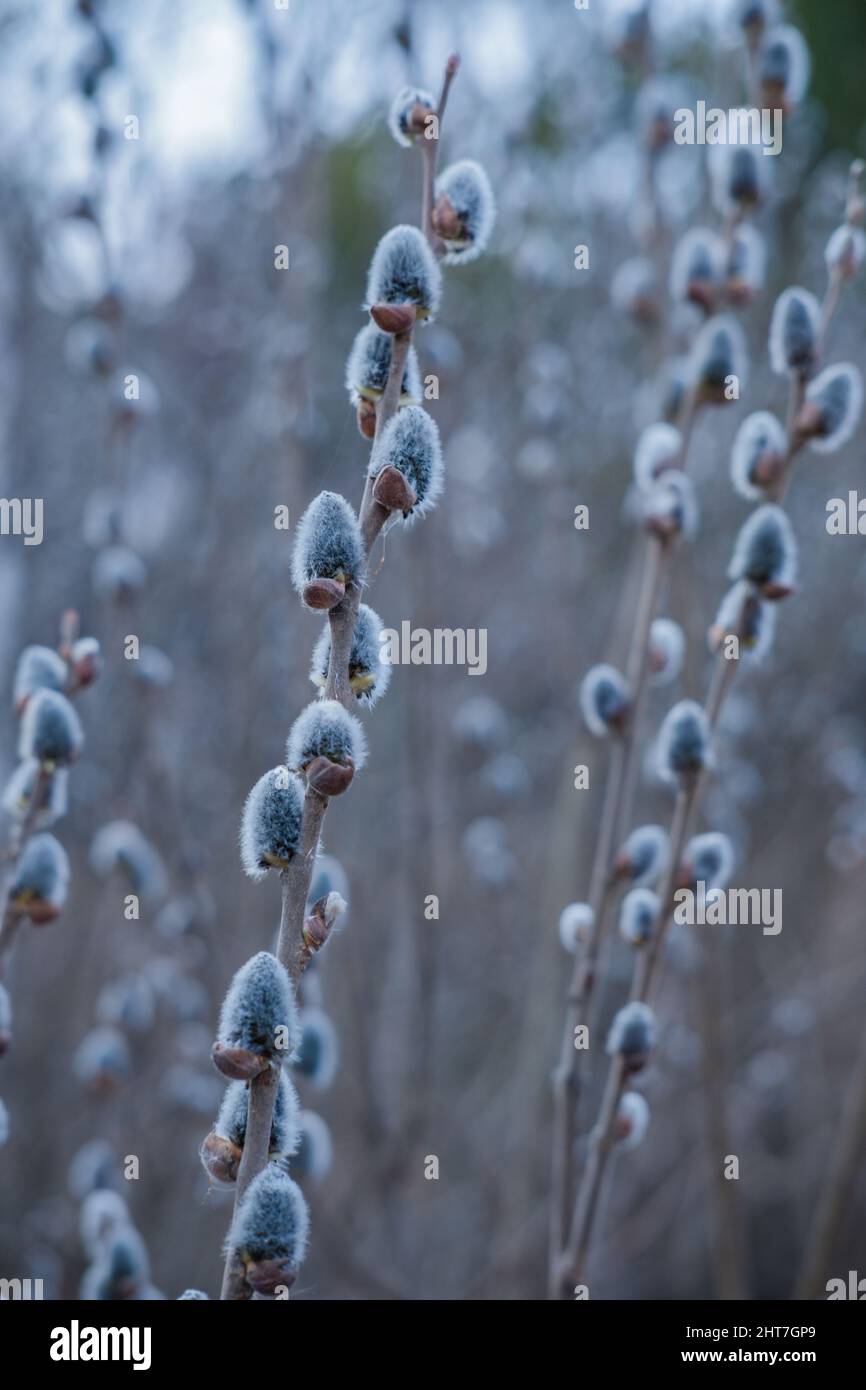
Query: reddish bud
x,y
329,778
323,593
394,318
238,1063
393,491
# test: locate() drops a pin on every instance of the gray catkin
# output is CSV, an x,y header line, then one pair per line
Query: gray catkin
x,y
742,613
53,795
638,916
697,264
231,1122
632,1033
103,1212
272,1221
718,354
467,188
38,668
41,875
659,447
325,730
765,551
760,435
368,365
369,675
644,854
50,729
121,1268
604,699
400,114
328,543
711,859
410,443
794,332
404,271
837,392
684,740
670,504
271,822
259,1012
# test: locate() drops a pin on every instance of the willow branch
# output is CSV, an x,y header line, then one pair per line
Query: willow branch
x,y
297,877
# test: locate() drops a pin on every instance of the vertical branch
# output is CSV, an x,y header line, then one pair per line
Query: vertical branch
x,y
342,618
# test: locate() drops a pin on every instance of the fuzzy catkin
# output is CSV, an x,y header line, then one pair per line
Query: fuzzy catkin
x,y
670,506
638,915
271,822
410,443
53,794
259,1013
604,699
328,543
38,668
765,551
794,332
845,251
658,447
632,1120
632,1035
837,396
404,271
231,1122
368,366
575,925
643,855
684,741
465,210
50,729
710,859
41,878
744,615
761,438
697,265
667,645
718,357
326,730
369,675
272,1222
403,123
